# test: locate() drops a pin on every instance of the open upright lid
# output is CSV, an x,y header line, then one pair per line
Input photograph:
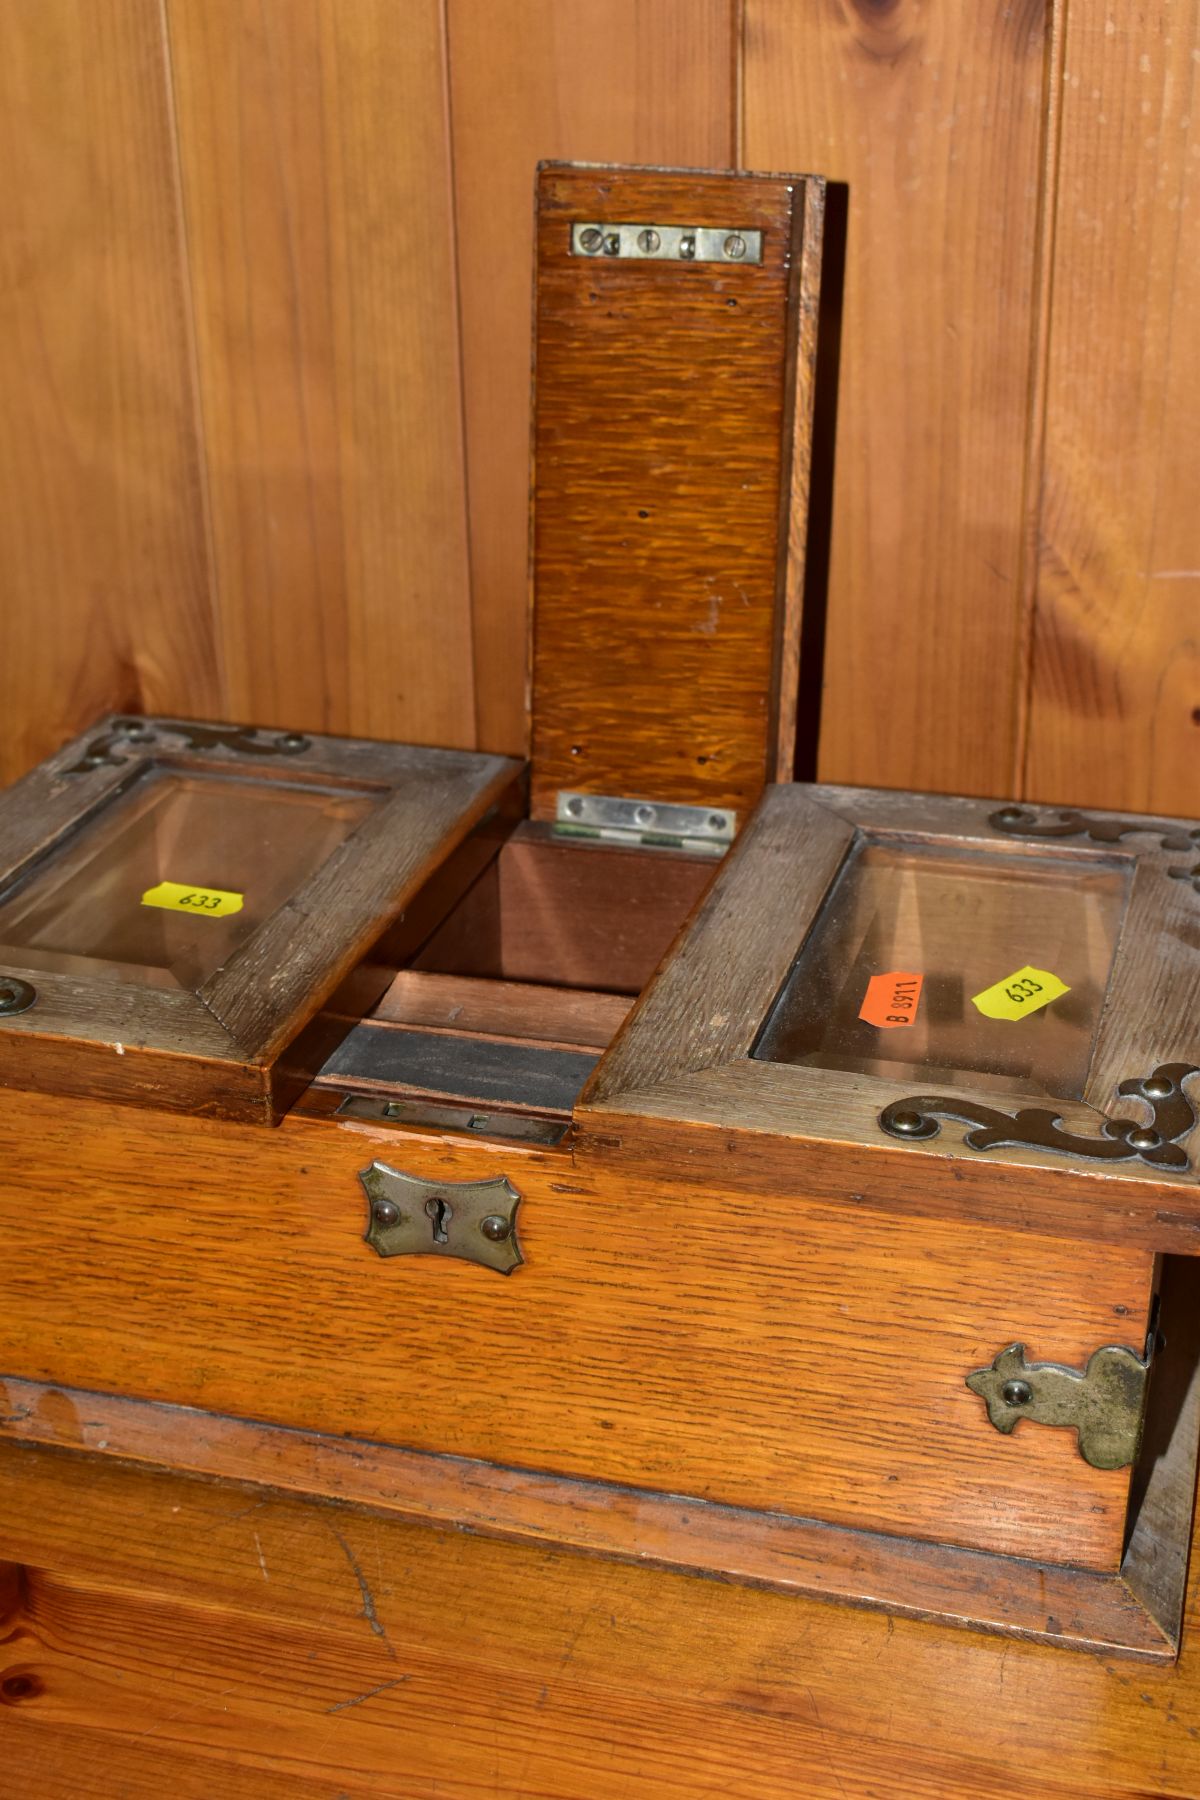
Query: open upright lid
x,y
675,334
178,900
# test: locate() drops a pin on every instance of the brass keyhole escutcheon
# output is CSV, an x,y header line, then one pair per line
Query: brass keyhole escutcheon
x,y
475,1221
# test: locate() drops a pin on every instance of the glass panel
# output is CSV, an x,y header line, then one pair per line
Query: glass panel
x,y
82,911
961,922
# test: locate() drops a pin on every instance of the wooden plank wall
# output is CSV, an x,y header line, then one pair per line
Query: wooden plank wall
x,y
264,303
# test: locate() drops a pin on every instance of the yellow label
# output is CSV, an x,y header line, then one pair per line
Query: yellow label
x,y
1021,993
208,903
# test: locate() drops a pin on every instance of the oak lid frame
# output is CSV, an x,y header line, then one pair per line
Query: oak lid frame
x,y
684,1057
596,705
217,1048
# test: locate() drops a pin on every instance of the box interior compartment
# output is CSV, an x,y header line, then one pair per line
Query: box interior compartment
x,y
515,993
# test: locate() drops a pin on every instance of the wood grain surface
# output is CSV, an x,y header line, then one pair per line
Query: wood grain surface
x,y
1080,1609
261,1646
668,398
933,114
1114,711
322,257
571,914
742,1348
344,206
103,539
515,1009
634,81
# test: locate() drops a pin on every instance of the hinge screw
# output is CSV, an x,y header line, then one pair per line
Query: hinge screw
x,y
591,240
648,241
735,246
495,1228
16,996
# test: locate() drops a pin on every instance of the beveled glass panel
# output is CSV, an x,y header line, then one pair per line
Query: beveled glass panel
x,y
962,921
83,911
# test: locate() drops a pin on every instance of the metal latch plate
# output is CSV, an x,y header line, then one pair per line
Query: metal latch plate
x,y
1104,1403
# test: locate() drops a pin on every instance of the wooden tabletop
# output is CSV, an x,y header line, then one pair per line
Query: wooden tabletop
x,y
164,1631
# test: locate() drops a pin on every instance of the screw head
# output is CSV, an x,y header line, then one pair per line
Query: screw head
x,y
292,742
1009,815
1144,1138
1016,1393
735,246
575,806
644,815
1158,1087
16,996
648,241
385,1212
591,240
716,821
495,1228
907,1123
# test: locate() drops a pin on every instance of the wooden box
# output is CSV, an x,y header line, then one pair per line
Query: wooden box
x,y
803,1268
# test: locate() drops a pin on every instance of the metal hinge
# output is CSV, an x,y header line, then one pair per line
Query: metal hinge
x,y
667,243
707,829
1103,1403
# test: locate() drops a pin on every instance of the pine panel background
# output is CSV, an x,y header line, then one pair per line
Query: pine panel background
x,y
264,340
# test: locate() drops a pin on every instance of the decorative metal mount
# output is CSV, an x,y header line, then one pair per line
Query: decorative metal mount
x,y
1104,1403
473,1220
1021,821
1041,1128
137,733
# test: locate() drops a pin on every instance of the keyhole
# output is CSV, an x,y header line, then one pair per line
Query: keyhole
x,y
440,1214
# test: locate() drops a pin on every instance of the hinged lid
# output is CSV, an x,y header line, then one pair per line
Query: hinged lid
x,y
951,1006
674,342
177,900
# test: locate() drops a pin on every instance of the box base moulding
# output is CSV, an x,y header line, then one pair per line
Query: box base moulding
x,y
1134,1611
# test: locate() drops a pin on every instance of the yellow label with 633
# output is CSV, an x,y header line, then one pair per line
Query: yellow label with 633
x,y
1020,993
179,896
